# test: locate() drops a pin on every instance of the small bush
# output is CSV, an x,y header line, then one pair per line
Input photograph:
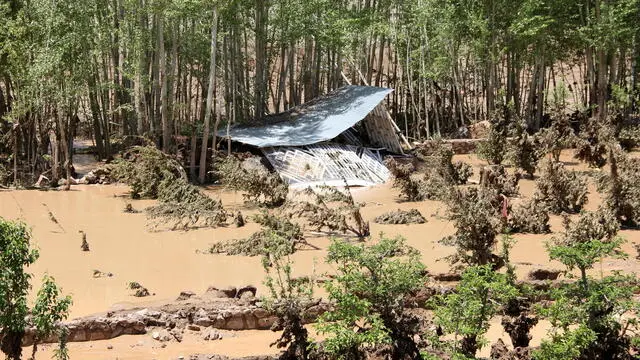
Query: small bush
x,y
369,292
531,217
438,159
559,189
410,187
591,318
495,177
558,136
477,219
493,148
523,149
260,186
412,216
591,142
620,188
289,298
466,312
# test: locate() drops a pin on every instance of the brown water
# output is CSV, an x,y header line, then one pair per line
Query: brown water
x,y
167,262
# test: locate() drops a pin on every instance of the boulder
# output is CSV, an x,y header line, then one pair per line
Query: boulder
x,y
247,292
184,295
228,292
211,334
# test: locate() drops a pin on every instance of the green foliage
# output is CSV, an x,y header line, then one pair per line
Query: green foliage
x,y
144,168
185,205
259,185
493,149
586,240
589,316
560,189
49,308
474,213
466,312
256,244
369,293
289,297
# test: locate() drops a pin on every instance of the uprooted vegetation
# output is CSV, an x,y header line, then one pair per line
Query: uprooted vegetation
x,y
330,209
144,168
152,174
439,172
255,245
412,216
185,206
561,190
259,185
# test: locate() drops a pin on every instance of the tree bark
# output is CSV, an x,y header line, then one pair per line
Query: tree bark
x,y
207,115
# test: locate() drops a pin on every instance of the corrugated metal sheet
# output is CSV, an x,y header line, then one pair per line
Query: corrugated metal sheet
x,y
315,121
328,164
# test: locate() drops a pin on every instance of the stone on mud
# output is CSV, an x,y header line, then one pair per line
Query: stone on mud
x,y
543,274
184,295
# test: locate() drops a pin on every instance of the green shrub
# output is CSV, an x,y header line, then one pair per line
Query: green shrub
x,y
590,317
466,312
49,308
368,293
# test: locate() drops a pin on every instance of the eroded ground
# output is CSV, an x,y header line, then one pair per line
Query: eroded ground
x,y
168,262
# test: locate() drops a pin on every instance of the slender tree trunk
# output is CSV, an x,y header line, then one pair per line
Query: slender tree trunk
x,y
207,115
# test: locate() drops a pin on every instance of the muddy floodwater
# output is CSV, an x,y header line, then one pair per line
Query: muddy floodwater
x,y
168,262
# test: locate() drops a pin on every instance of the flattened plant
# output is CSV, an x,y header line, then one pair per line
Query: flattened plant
x,y
258,184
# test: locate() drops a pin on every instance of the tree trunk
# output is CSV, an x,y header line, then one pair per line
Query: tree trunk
x,y
207,115
260,86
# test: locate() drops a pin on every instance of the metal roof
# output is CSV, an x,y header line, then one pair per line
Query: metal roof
x,y
318,120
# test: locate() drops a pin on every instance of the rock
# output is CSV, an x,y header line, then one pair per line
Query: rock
x,y
249,289
543,274
211,334
177,334
228,292
193,327
109,347
235,322
184,295
161,335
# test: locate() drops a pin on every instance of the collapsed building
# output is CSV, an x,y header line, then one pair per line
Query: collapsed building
x,y
337,138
